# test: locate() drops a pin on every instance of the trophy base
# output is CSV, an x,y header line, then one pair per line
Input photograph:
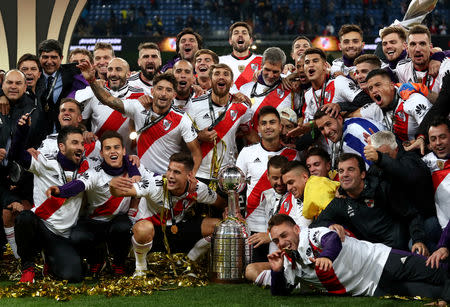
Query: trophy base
x,y
217,280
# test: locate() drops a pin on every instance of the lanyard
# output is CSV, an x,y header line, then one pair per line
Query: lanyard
x,y
50,91
320,100
150,123
216,121
264,93
390,125
63,174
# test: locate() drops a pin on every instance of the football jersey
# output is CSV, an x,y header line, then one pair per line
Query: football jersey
x,y
58,214
338,66
156,144
406,118
356,270
406,73
153,201
440,172
252,160
103,117
277,98
102,206
49,146
337,90
353,140
237,115
136,81
294,208
243,68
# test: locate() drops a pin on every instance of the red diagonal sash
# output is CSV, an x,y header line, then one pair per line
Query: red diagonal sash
x,y
330,281
109,207
247,75
49,206
177,209
272,99
286,206
152,134
440,175
401,124
224,126
264,184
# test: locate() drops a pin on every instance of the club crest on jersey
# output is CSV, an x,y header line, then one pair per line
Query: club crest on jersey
x,y
401,115
286,206
166,124
280,93
327,96
241,68
233,115
440,164
254,66
369,202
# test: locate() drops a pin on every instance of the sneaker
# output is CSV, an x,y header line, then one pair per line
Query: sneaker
x,y
28,275
139,274
118,269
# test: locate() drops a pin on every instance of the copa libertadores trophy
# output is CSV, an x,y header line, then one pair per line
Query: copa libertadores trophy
x,y
230,251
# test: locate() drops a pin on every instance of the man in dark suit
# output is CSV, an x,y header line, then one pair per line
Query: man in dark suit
x,y
56,81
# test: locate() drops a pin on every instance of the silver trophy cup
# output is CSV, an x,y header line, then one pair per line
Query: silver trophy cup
x,y
230,251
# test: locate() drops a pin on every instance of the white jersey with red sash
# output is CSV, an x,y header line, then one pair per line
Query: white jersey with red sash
x,y
294,208
203,112
440,172
407,74
102,205
405,120
338,65
153,200
335,90
252,160
104,118
356,270
262,95
58,214
49,147
243,68
136,81
163,138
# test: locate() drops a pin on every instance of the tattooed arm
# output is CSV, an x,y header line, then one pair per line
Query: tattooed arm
x,y
106,98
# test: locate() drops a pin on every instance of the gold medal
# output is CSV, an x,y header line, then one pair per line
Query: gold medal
x,y
46,107
174,229
241,68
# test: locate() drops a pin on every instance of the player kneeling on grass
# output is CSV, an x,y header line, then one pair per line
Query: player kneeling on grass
x,y
166,202
107,219
317,256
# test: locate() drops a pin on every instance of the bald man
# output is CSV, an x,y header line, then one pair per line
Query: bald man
x,y
102,117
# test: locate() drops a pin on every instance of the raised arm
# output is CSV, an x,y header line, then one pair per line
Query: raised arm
x,y
121,187
97,88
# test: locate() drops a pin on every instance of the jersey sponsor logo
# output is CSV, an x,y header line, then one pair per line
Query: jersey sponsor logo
x,y
315,238
353,86
85,175
166,124
143,184
420,108
257,160
206,116
98,168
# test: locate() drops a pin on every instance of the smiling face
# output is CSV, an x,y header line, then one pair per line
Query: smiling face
x,y
221,81
118,73
419,49
274,175
285,236
102,57
14,85
350,176
112,152
50,61
299,48
188,47
317,166
202,64
73,148
183,72
362,69
149,62
177,177
381,90
163,94
439,138
31,72
240,39
69,114
351,44
315,67
295,182
393,46
300,70
271,72
269,126
330,127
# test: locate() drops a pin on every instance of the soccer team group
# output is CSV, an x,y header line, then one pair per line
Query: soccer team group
x,y
346,163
